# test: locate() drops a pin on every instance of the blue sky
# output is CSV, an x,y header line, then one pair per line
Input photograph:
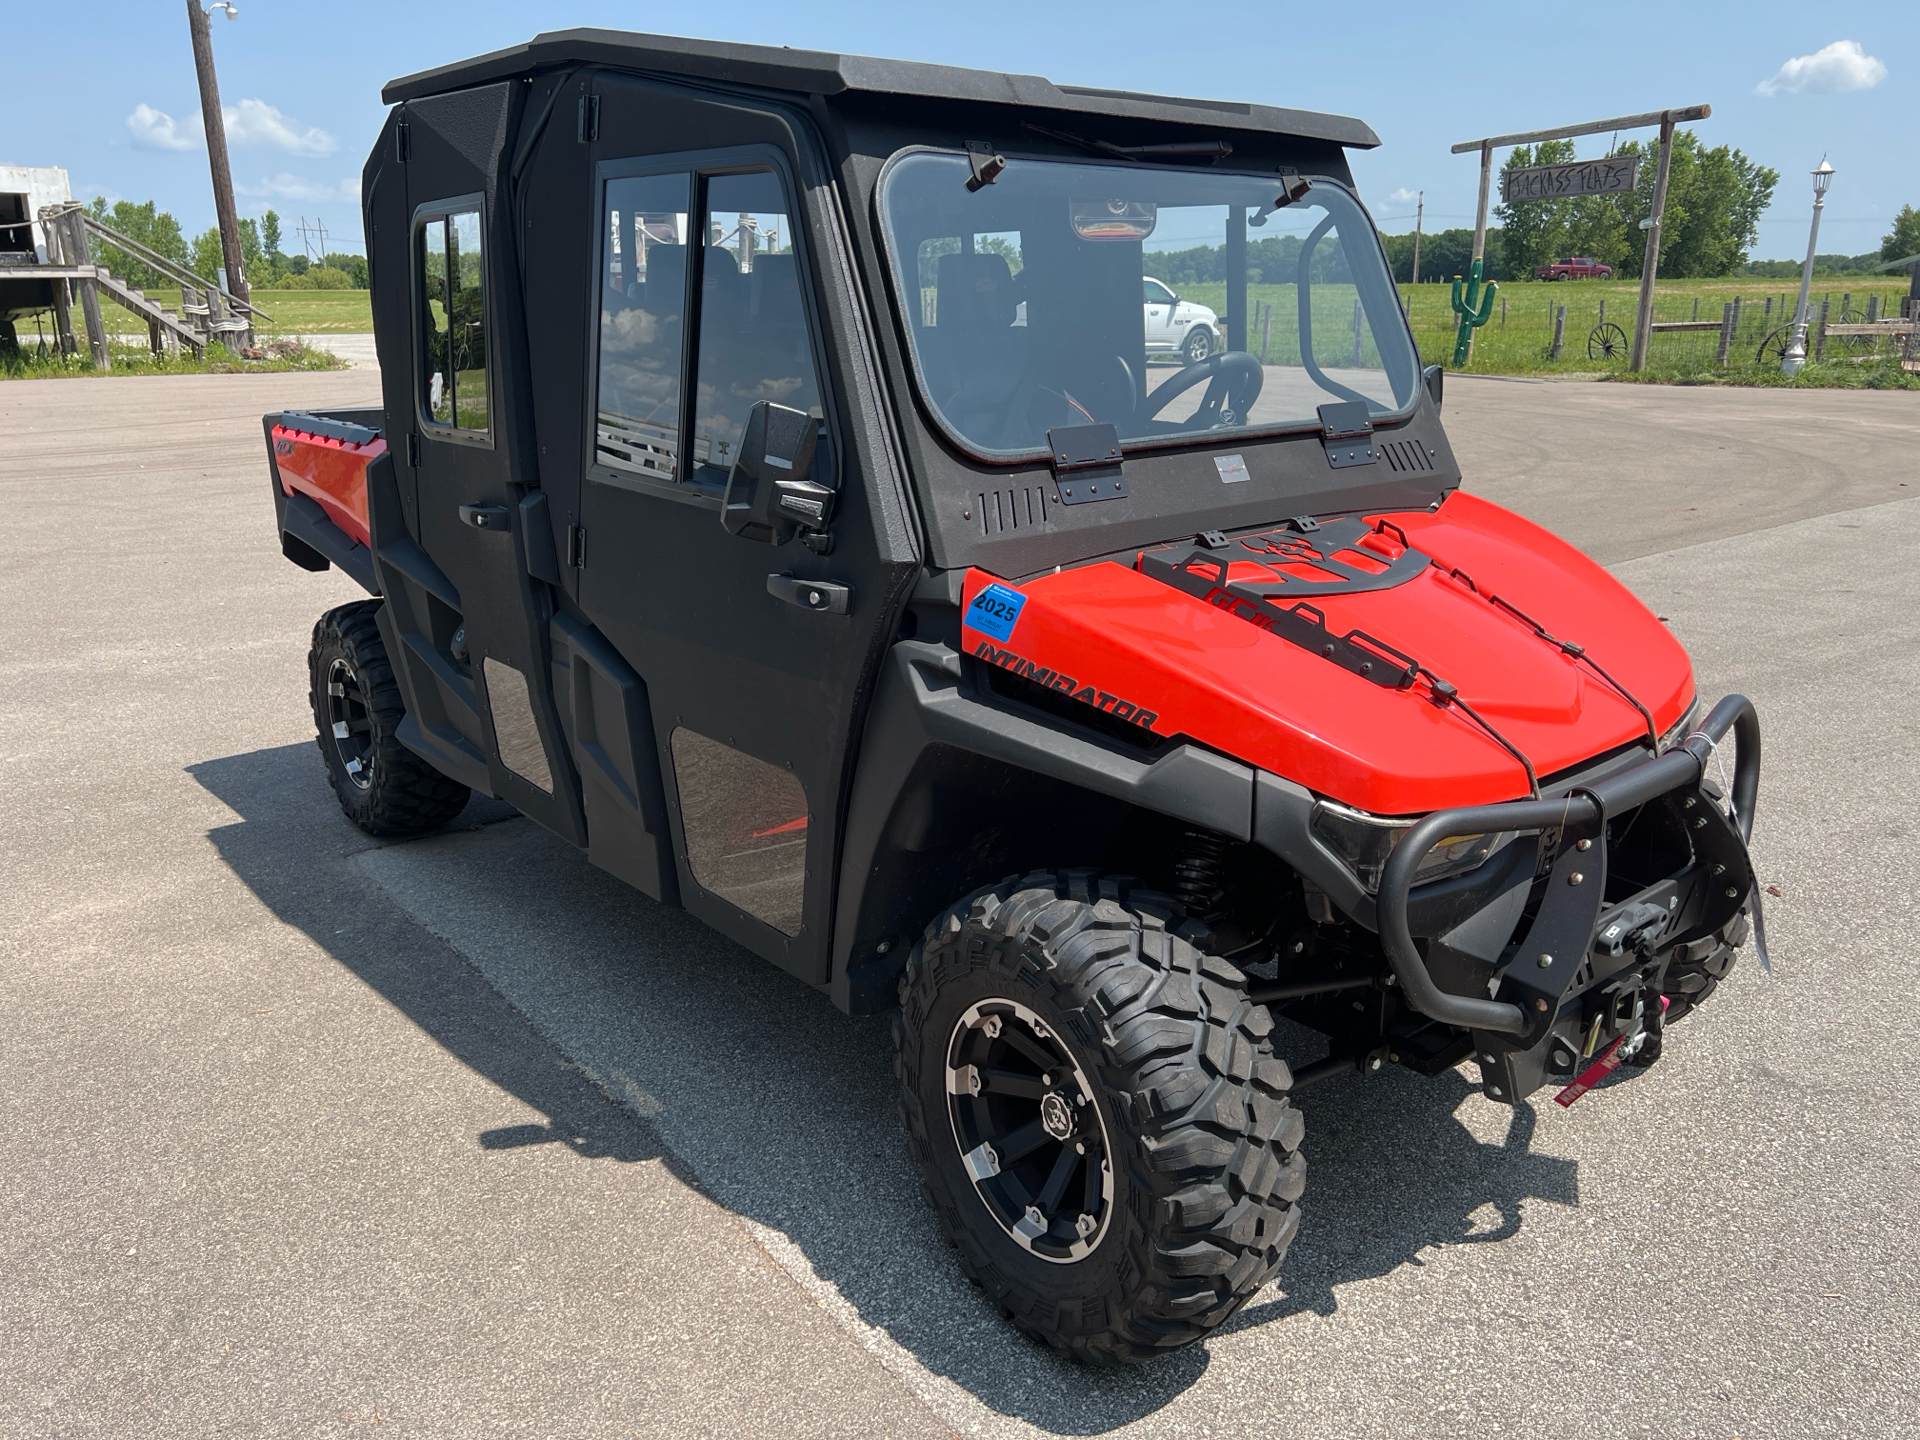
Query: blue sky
x,y
302,83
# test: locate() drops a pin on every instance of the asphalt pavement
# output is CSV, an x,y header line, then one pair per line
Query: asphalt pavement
x,y
306,1133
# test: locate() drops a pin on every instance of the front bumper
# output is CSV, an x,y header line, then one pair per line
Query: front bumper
x,y
1575,940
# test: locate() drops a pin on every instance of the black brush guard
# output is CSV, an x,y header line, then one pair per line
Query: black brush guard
x,y
1557,948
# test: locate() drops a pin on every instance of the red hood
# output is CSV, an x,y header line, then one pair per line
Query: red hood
x,y
1137,647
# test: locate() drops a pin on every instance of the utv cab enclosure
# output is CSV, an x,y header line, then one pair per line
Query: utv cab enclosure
x,y
777,497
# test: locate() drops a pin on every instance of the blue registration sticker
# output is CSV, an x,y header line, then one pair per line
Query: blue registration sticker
x,y
995,611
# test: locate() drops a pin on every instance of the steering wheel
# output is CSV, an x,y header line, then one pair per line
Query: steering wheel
x,y
1233,381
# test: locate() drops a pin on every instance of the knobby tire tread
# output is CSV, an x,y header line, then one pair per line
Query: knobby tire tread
x,y
407,796
1199,1102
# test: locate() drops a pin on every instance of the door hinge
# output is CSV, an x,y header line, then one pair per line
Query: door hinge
x,y
413,448
576,546
589,129
402,143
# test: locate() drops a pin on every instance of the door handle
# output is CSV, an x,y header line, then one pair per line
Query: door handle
x,y
484,517
829,597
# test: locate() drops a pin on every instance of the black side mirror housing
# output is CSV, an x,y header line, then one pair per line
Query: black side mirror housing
x,y
769,495
1435,379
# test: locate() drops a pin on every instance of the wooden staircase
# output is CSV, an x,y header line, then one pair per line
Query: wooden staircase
x,y
162,323
206,313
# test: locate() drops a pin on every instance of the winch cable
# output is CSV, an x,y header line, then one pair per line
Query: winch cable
x,y
1568,648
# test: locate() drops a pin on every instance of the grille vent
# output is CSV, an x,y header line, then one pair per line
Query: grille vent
x,y
1002,511
1405,456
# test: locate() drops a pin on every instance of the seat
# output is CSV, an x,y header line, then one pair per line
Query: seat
x,y
975,355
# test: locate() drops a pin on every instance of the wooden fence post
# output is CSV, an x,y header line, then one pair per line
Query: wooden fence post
x,y
74,244
1820,336
1873,309
1559,331
1266,332
1729,317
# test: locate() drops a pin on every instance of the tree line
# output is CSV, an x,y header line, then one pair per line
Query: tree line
x,y
267,266
1715,198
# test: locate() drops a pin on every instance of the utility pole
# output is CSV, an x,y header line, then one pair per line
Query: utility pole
x,y
1419,214
216,131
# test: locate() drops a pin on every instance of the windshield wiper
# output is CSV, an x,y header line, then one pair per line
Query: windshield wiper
x,y
1209,150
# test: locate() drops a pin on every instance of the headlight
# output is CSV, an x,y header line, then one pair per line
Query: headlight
x,y
1682,727
1364,842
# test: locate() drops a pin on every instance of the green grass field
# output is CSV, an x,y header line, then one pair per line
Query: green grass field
x,y
317,312
1519,336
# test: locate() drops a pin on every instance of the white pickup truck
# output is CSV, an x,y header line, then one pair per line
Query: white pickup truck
x,y
1178,325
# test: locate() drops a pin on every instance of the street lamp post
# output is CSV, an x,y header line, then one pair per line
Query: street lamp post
x,y
1796,355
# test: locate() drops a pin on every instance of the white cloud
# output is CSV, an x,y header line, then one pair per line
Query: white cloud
x,y
156,130
1403,196
254,122
297,187
251,122
1831,70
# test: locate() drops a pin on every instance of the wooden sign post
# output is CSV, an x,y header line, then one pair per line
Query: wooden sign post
x,y
1665,119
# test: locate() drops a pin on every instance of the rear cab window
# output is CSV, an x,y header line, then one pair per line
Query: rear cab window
x,y
450,291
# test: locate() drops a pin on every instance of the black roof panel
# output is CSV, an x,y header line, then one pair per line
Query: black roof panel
x,y
815,72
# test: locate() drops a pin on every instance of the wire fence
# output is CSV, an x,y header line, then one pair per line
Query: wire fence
x,y
1690,334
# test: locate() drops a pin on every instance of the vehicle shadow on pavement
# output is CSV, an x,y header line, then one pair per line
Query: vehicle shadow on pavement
x,y
568,989
1393,1171
292,851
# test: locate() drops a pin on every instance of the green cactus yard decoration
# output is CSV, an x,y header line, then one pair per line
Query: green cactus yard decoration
x,y
1474,310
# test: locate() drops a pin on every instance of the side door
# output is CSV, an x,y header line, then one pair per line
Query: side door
x,y
706,302
484,530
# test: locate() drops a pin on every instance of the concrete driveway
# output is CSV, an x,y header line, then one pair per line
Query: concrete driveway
x,y
307,1134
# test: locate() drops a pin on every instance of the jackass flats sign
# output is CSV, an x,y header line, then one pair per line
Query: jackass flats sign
x,y
1559,182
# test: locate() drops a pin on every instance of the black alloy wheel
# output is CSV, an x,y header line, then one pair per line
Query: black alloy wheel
x,y
348,725
1096,1112
385,788
1029,1133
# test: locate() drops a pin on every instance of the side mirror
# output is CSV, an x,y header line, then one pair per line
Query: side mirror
x,y
769,497
1435,379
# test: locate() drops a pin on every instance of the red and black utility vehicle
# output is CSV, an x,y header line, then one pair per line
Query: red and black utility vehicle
x,y
1577,267
775,496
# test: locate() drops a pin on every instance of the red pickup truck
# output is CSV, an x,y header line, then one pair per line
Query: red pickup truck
x,y
1577,267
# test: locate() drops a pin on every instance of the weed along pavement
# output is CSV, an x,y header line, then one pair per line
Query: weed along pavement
x,y
304,1131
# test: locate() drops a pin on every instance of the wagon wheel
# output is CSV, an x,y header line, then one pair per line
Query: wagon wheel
x,y
1774,348
1607,342
1854,344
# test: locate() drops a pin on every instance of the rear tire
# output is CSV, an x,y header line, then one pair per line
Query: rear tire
x,y
384,787
1195,1207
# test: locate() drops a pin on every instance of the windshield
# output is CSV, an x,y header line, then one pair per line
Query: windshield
x,y
1165,302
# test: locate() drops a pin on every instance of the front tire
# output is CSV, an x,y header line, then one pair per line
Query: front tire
x,y
1151,1190
1198,345
385,788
